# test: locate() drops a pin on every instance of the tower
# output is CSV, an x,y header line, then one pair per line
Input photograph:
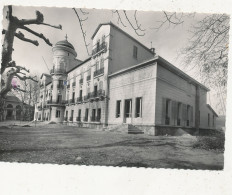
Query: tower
x,y
64,56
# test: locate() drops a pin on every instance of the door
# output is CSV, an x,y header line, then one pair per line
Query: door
x,y
128,111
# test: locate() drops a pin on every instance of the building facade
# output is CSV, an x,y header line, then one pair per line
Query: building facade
x,y
122,82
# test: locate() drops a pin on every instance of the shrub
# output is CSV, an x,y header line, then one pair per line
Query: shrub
x,y
216,142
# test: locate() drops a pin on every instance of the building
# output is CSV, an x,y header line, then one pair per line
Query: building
x,y
15,109
122,82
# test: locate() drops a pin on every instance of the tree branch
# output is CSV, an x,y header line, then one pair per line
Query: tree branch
x,y
83,33
40,35
20,36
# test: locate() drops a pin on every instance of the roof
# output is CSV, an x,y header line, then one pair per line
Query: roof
x,y
212,110
12,98
166,65
45,74
64,43
122,31
86,60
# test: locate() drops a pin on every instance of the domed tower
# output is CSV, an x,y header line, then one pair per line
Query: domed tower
x,y
64,56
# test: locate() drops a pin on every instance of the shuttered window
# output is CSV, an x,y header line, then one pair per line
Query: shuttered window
x,y
118,108
138,111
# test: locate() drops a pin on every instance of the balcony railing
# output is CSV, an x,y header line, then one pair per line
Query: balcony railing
x,y
78,118
60,86
79,99
100,49
57,71
81,81
60,102
88,77
95,95
74,84
98,72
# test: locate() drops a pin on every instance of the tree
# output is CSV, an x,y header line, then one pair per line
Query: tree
x,y
9,68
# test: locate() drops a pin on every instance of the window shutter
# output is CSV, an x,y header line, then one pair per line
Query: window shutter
x,y
174,112
163,110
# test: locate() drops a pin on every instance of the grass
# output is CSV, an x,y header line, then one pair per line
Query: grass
x,y
57,144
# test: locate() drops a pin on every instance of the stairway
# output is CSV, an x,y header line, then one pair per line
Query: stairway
x,y
134,130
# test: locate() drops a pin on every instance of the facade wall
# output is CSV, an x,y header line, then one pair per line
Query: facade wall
x,y
171,86
121,51
135,83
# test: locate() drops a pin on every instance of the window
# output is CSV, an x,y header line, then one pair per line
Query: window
x,y
80,94
79,113
66,113
93,114
73,97
98,114
128,108
208,119
86,114
167,112
57,113
135,52
103,38
98,45
97,64
101,63
59,98
95,90
60,83
138,111
118,108
188,115
179,114
199,117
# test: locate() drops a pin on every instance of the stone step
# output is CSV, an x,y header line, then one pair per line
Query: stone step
x,y
135,131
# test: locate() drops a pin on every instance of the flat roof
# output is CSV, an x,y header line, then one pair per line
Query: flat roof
x,y
166,65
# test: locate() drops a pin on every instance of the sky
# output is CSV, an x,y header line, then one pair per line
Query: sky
x,y
167,41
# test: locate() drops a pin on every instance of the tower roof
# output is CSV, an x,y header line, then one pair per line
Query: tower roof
x,y
64,43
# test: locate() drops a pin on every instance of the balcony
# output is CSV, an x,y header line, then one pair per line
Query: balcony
x,y
88,78
81,81
72,101
78,119
79,100
100,94
61,102
74,84
98,72
102,48
60,86
57,71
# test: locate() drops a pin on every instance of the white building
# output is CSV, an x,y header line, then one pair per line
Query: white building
x,y
123,82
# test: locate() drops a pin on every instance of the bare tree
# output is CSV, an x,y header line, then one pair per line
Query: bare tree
x,y
208,52
9,67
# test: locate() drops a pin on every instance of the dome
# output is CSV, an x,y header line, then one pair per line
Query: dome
x,y
64,43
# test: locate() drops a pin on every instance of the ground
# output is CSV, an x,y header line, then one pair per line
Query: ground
x,y
59,144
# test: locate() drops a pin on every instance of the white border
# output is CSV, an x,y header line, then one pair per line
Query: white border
x,y
54,179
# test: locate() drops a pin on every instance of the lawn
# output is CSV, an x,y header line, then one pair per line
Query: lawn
x,y
58,144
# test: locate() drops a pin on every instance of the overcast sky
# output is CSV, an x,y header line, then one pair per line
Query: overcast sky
x,y
167,41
